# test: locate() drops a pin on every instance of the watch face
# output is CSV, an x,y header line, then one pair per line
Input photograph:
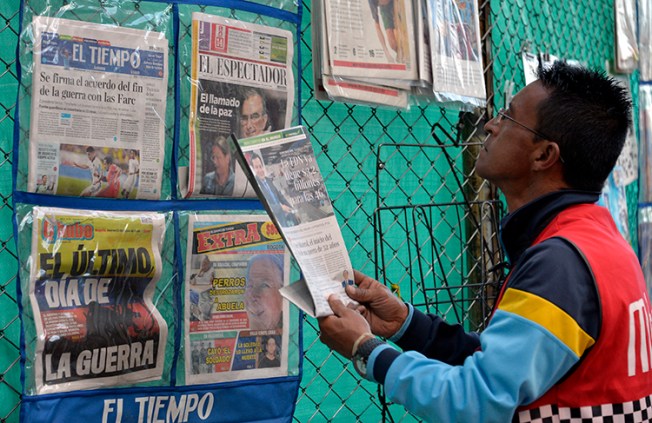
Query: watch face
x,y
360,365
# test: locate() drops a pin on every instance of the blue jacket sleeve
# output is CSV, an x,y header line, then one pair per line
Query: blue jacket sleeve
x,y
433,337
519,361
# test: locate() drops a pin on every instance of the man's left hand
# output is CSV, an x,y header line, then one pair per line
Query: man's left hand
x,y
340,331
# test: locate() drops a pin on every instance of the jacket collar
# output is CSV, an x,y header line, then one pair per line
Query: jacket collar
x,y
521,227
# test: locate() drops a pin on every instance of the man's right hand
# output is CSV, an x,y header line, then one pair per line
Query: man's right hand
x,y
383,310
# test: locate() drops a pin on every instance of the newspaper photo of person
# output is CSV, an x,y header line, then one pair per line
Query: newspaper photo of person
x,y
221,180
270,356
94,166
384,9
263,301
201,300
111,176
283,210
45,184
254,119
346,279
133,169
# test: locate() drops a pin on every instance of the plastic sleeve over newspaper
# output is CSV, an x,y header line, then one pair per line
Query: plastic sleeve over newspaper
x,y
96,298
237,77
96,100
236,324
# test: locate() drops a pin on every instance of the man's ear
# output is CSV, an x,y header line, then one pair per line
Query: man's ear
x,y
546,155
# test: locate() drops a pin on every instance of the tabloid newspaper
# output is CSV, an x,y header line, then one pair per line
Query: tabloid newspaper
x,y
282,168
97,110
236,319
242,82
92,279
374,37
455,52
357,90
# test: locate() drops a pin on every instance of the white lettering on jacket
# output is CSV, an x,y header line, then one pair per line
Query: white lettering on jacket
x,y
640,333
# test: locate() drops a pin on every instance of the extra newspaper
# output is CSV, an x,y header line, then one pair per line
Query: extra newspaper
x,y
92,279
97,110
284,171
242,83
236,320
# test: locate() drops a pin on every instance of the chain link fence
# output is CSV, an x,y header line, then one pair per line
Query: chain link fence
x,y
412,211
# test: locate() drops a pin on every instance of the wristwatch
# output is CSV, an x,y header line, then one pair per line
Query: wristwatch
x,y
361,356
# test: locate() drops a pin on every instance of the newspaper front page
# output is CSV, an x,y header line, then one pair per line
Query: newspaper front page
x,y
97,110
355,90
283,169
374,37
242,83
237,322
455,52
92,279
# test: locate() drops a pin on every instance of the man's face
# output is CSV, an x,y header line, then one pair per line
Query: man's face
x,y
271,345
221,161
262,298
509,150
90,155
253,118
259,168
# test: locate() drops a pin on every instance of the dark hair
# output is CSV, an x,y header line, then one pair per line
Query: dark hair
x,y
108,159
222,144
252,92
255,156
90,149
588,115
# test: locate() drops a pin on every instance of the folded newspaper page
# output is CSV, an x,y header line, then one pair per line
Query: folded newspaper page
x,y
365,91
97,125
282,168
236,320
242,82
455,52
374,37
92,278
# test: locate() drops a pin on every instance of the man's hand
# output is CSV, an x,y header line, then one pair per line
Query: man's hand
x,y
382,309
340,331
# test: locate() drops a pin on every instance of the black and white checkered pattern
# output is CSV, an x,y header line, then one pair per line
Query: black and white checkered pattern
x,y
639,411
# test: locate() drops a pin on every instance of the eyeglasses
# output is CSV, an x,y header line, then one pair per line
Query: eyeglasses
x,y
502,114
254,118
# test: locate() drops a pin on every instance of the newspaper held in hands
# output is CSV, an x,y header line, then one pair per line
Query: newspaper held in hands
x,y
283,170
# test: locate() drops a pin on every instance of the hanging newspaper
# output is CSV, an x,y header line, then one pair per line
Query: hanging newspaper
x,y
455,52
626,43
282,168
97,110
92,279
374,37
645,40
236,320
242,82
338,88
